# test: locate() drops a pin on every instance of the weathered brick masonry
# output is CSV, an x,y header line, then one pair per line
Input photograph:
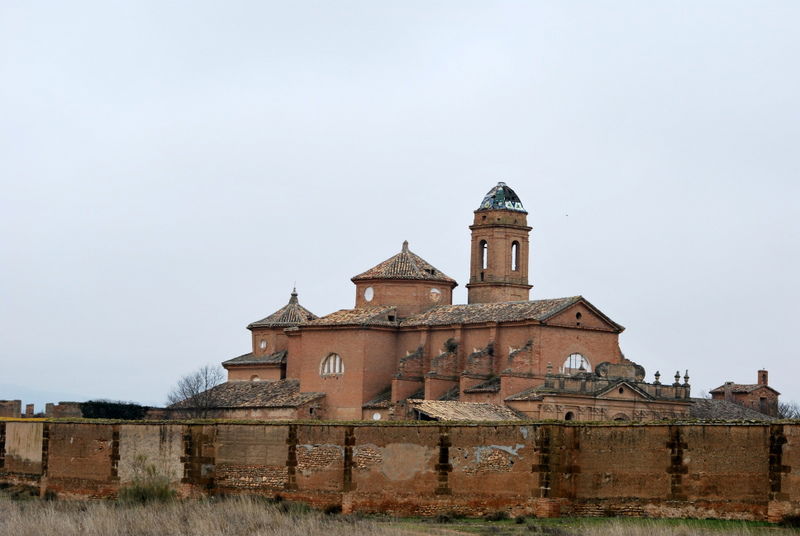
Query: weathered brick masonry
x,y
739,471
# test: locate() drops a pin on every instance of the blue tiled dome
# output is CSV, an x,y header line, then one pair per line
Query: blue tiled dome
x,y
501,197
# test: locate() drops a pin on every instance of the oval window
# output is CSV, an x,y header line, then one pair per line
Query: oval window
x,y
436,295
376,416
369,293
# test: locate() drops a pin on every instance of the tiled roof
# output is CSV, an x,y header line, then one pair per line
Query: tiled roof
x,y
251,359
463,411
491,385
289,315
706,408
490,312
501,197
405,265
366,316
741,388
264,394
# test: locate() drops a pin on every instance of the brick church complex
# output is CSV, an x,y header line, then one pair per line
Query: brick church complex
x,y
405,351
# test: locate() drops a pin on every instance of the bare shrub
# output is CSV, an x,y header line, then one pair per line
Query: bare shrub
x,y
147,485
788,410
195,394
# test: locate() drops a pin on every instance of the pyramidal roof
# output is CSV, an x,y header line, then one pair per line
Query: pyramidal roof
x,y
289,315
405,265
502,197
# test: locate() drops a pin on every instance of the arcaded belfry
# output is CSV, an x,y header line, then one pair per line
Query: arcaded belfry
x,y
499,265
406,351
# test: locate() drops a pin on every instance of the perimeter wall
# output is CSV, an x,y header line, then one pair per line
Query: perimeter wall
x,y
742,471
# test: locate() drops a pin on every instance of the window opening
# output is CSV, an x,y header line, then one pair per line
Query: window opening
x,y
484,250
569,416
515,256
575,363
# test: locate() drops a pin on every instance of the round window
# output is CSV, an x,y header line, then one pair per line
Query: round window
x,y
369,293
436,295
376,416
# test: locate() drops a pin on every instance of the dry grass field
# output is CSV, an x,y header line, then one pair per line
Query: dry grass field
x,y
255,517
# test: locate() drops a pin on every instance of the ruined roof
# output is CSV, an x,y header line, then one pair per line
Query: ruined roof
x,y
501,197
383,400
475,313
365,316
741,388
405,265
451,394
539,391
250,358
492,385
289,315
250,394
463,411
706,408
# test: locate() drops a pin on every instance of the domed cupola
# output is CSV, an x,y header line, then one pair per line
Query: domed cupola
x,y
501,197
287,316
499,256
405,280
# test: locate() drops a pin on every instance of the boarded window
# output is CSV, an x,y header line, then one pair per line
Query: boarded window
x,y
332,365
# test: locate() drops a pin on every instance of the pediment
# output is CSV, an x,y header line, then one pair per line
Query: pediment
x,y
583,315
623,391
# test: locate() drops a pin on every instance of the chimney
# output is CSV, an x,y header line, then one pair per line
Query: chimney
x,y
763,377
728,394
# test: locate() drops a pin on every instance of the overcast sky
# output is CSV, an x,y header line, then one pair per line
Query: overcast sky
x,y
170,169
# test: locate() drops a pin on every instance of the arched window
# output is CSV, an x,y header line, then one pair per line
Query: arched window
x,y
515,256
331,365
255,378
569,416
576,363
484,251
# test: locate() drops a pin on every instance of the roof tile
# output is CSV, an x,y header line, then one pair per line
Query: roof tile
x,y
289,315
405,265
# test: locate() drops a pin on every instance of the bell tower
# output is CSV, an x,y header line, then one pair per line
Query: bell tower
x,y
499,253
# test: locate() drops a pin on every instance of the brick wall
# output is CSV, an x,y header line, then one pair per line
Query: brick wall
x,y
734,471
10,408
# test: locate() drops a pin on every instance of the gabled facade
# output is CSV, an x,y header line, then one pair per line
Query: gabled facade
x,y
755,396
405,341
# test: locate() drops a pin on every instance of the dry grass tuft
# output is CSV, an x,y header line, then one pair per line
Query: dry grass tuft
x,y
230,517
252,516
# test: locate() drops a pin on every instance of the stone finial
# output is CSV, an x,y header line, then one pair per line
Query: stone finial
x,y
405,246
677,377
686,377
293,298
657,376
549,369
